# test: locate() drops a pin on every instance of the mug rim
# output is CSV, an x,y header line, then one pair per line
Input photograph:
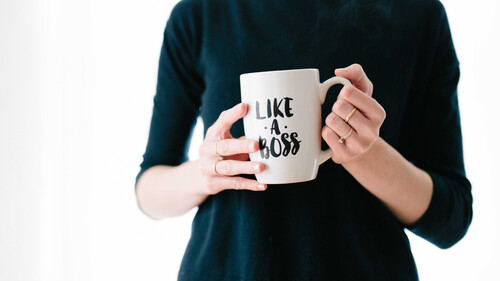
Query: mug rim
x,y
277,71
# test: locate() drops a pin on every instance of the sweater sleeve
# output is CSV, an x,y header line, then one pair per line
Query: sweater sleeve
x,y
178,92
438,149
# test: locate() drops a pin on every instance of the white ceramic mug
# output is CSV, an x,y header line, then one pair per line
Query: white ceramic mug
x,y
284,115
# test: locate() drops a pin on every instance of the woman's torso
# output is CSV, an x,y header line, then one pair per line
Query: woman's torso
x,y
330,228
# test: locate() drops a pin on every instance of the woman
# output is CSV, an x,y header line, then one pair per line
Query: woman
x,y
400,167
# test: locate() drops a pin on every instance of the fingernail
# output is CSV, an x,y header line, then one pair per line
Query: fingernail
x,y
251,146
343,69
256,168
241,107
261,186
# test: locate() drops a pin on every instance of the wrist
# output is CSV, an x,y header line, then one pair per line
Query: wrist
x,y
196,182
368,154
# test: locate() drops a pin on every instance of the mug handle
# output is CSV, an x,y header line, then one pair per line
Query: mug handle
x,y
323,89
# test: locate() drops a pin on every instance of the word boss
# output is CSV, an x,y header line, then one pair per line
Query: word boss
x,y
280,144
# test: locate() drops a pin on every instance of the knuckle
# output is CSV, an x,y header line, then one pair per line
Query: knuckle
x,y
329,119
378,118
380,114
223,147
357,67
227,167
237,183
326,134
344,105
371,137
383,113
339,105
224,113
223,116
348,91
337,121
336,105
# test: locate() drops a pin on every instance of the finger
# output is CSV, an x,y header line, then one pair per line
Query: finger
x,y
217,184
339,150
357,76
242,156
357,142
343,108
232,167
226,120
368,106
238,157
340,127
227,147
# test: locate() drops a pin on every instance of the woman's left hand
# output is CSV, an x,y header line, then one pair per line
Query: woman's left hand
x,y
366,117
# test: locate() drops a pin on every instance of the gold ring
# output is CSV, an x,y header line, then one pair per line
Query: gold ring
x,y
216,153
215,167
342,139
350,115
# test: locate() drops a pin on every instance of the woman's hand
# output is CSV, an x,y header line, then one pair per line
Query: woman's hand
x,y
222,156
364,116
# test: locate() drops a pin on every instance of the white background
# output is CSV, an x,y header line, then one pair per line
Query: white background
x,y
77,79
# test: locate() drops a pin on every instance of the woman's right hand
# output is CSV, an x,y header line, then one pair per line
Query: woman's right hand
x,y
222,157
